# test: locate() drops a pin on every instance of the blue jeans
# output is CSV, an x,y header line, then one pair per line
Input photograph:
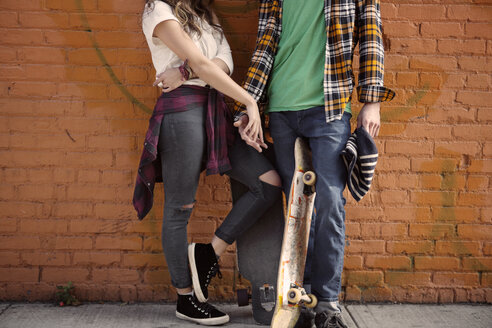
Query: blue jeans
x,y
327,236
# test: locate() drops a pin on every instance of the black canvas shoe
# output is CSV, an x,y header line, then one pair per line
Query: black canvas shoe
x,y
328,319
204,266
189,308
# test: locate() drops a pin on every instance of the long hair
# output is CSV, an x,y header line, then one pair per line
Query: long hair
x,y
190,12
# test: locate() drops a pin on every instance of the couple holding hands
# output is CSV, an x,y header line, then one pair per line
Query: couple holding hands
x,y
301,69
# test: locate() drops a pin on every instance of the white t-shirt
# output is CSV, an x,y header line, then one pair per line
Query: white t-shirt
x,y
210,43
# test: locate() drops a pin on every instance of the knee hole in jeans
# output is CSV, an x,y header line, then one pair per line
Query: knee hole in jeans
x,y
271,177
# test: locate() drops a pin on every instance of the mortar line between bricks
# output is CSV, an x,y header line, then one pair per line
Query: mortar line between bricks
x,y
6,308
352,317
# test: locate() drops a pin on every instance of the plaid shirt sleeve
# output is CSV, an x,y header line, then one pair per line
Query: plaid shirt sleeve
x,y
264,53
368,32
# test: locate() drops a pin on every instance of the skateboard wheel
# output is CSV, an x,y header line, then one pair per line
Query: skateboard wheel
x,y
294,296
309,178
242,297
313,303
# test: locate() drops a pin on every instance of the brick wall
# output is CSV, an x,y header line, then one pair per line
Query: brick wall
x,y
75,86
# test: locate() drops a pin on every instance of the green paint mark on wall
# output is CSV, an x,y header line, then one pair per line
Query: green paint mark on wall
x,y
105,63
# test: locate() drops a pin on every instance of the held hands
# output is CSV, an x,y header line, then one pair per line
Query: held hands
x,y
369,118
169,80
247,126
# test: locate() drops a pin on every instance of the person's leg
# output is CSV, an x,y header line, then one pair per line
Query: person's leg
x,y
327,140
181,147
284,132
252,169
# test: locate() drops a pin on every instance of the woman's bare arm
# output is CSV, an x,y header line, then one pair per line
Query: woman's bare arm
x,y
175,38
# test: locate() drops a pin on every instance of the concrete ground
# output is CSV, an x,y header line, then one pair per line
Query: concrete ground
x,y
42,315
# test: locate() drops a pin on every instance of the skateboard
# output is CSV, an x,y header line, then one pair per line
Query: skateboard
x,y
291,296
258,251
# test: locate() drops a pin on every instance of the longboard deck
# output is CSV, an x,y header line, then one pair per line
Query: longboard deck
x,y
258,251
295,240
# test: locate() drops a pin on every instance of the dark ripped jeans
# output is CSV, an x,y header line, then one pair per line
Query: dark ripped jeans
x,y
182,147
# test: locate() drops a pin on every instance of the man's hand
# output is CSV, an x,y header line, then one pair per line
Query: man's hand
x,y
241,124
370,118
169,80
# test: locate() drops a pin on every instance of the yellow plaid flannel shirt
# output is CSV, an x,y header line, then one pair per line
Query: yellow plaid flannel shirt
x,y
348,23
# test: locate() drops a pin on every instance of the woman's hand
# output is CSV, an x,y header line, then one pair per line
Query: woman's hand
x,y
254,140
169,80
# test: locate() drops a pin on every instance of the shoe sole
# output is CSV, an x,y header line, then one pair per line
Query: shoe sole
x,y
194,274
206,322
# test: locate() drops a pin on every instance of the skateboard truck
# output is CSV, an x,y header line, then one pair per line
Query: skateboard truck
x,y
267,297
266,294
297,294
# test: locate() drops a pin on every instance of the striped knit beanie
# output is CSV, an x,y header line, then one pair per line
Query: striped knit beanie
x,y
360,156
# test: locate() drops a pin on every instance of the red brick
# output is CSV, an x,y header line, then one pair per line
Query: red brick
x,y
95,20
477,264
475,231
43,226
388,262
401,29
376,294
432,231
474,64
461,46
441,198
8,225
456,149
46,258
146,260
96,258
410,247
19,242
157,277
366,246
475,30
407,213
457,247
469,12
71,210
120,6
487,248
70,6
486,280
115,211
455,214
73,243
456,279
63,275
19,274
395,278
352,262
123,243
9,258
115,276
436,263
152,244
365,278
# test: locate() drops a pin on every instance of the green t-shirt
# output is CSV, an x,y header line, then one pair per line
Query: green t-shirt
x,y
296,82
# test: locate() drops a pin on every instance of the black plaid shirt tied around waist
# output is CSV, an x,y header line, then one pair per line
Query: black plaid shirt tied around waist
x,y
220,135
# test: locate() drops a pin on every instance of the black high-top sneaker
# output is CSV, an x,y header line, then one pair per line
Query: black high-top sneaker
x,y
204,266
189,308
